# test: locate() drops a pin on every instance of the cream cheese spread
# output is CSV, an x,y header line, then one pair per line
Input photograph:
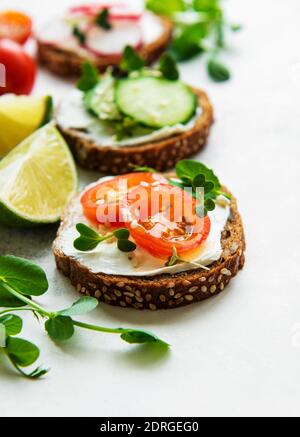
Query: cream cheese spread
x,y
108,259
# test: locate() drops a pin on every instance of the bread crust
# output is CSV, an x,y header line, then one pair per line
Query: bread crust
x,y
161,155
161,291
67,63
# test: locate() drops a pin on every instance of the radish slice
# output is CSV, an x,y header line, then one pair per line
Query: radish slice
x,y
112,43
55,32
126,12
126,16
89,10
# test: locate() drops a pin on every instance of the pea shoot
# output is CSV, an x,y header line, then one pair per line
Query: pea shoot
x,y
205,185
79,35
102,20
175,259
21,281
200,28
90,239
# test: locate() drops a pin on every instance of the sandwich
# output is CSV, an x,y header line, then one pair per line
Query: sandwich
x,y
99,33
148,240
134,116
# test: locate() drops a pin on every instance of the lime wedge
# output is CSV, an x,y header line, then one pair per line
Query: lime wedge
x,y
20,116
37,179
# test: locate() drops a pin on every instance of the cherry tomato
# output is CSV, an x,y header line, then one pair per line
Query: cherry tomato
x,y
19,68
165,218
15,26
103,202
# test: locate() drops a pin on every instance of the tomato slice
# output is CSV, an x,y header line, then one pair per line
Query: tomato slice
x,y
163,218
15,26
103,203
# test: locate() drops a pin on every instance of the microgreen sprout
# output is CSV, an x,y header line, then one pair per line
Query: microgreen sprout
x,y
202,180
200,28
175,259
102,20
90,239
20,282
79,35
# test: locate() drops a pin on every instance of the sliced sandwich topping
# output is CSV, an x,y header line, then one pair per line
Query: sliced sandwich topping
x,y
164,217
103,202
103,29
146,224
132,105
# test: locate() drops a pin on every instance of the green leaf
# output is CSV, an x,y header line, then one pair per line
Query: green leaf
x,y
88,240
13,324
103,20
7,300
140,337
122,234
184,50
131,61
210,205
211,8
188,42
199,181
208,6
190,169
126,246
218,71
23,276
83,306
87,232
166,7
60,328
209,186
84,245
79,35
197,175
22,352
168,67
89,78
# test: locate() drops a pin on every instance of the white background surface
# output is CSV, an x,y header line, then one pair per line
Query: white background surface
x,y
239,353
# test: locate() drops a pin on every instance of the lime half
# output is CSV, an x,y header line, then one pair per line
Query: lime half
x,y
37,179
20,116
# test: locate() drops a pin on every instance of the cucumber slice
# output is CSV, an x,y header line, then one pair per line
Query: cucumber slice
x,y
101,100
156,102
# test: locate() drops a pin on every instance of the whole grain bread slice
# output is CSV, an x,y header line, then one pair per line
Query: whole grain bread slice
x,y
67,63
161,155
161,291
